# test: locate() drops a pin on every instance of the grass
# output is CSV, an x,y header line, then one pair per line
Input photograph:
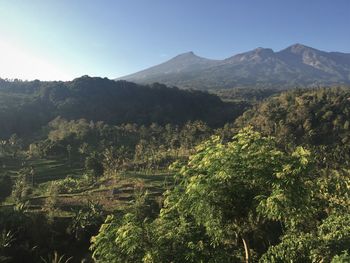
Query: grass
x,y
45,169
111,193
49,170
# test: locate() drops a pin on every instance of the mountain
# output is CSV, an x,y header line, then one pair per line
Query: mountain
x,y
297,65
175,72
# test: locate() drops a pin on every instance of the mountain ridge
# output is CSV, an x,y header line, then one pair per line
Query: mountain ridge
x,y
296,65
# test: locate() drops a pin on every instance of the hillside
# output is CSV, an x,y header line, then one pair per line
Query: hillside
x,y
297,65
317,118
27,106
84,183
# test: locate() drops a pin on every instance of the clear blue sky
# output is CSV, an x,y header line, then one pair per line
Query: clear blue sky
x,y
63,39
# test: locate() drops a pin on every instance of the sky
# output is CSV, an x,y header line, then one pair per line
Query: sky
x,y
65,39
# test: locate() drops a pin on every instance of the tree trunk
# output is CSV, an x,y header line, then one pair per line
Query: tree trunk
x,y
246,250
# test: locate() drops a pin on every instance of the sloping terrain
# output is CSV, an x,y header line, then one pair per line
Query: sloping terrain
x,y
297,65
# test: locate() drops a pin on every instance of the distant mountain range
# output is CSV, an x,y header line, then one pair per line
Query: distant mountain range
x,y
297,65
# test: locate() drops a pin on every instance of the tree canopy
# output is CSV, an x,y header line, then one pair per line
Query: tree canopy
x,y
242,199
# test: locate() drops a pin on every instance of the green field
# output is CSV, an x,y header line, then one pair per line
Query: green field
x,y
111,193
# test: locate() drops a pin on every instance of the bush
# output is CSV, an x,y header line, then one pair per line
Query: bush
x,y
71,185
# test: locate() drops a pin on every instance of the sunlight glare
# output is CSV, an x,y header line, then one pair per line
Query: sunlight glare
x,y
19,63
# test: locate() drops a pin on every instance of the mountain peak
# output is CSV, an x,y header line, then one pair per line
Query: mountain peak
x,y
190,53
188,57
298,48
256,55
187,54
263,51
299,45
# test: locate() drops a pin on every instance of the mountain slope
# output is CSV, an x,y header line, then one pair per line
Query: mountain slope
x,y
186,65
297,65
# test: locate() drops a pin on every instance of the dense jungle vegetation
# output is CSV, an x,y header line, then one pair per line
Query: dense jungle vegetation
x,y
94,170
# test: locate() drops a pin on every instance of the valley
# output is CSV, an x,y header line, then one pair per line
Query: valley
x,y
93,157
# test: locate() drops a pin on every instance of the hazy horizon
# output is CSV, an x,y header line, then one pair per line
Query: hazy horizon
x,y
62,40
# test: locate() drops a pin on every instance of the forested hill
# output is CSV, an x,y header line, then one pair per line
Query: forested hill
x,y
318,118
25,106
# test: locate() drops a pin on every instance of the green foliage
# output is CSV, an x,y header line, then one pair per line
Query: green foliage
x,y
85,220
316,117
71,185
28,105
330,239
21,187
115,161
124,239
123,147
332,191
225,185
227,192
249,94
342,258
327,235
252,197
94,165
52,199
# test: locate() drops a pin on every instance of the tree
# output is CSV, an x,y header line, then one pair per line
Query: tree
x,y
115,161
229,196
86,220
233,190
125,239
327,242
51,201
326,236
94,165
21,189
